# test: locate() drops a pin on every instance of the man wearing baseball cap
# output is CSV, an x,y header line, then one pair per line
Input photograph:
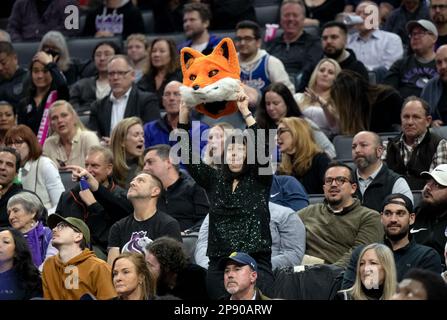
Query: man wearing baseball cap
x,y
75,270
411,73
431,217
240,274
397,216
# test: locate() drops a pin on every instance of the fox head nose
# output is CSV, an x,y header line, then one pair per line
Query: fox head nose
x,y
196,87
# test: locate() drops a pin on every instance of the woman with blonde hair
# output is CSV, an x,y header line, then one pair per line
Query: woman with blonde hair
x,y
127,144
376,277
318,92
301,157
131,277
69,140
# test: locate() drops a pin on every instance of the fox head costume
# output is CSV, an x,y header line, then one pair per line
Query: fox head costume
x,y
211,83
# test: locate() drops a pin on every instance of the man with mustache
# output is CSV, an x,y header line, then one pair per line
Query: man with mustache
x,y
334,38
374,178
397,216
438,14
334,228
240,274
431,217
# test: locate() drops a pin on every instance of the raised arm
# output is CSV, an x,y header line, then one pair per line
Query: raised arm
x,y
199,171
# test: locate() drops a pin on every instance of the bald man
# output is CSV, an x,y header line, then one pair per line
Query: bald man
x,y
374,179
157,131
435,92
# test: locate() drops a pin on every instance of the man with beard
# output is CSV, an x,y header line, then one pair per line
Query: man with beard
x,y
196,20
431,217
438,14
397,216
375,180
240,274
334,228
132,233
334,38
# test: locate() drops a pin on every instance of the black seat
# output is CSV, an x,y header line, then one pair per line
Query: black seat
x,y
82,48
25,52
189,244
178,37
66,180
313,30
84,119
417,197
343,147
267,14
3,23
372,76
440,131
148,20
261,3
384,136
316,198
224,34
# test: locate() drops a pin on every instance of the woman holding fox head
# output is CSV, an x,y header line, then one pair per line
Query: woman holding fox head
x,y
238,190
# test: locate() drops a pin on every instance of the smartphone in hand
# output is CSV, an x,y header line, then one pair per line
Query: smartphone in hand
x,y
83,184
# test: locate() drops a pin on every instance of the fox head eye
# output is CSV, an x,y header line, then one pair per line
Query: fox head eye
x,y
212,73
192,77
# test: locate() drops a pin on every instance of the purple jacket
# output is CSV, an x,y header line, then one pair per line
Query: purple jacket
x,y
24,24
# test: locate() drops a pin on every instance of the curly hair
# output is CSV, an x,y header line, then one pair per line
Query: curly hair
x,y
172,259
27,273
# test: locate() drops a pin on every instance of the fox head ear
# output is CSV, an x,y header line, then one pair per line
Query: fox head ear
x,y
187,57
226,49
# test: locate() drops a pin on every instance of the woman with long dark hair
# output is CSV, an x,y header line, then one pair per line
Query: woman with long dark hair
x,y
19,277
239,193
277,102
163,66
361,106
47,85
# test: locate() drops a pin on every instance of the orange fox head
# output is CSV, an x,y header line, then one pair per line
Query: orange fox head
x,y
210,83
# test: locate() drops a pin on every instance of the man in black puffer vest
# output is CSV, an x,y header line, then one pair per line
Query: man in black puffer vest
x,y
416,149
374,179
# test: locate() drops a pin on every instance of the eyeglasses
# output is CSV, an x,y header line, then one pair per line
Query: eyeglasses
x,y
418,34
120,74
245,39
338,180
280,131
61,225
16,143
438,6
